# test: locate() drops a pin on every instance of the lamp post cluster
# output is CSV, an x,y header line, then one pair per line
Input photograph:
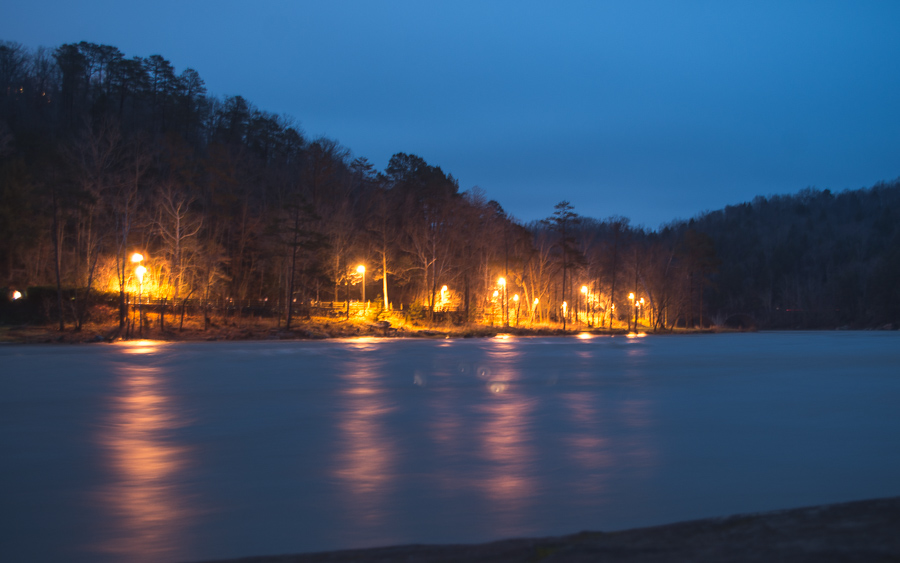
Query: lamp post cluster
x,y
503,292
584,309
637,303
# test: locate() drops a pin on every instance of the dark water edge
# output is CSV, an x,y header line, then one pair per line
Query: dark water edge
x,y
862,531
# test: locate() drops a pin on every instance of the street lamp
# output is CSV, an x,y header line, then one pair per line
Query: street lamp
x,y
584,303
139,272
494,307
137,258
516,301
362,270
634,308
505,310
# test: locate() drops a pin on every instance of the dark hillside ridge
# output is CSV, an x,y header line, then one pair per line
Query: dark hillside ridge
x,y
810,260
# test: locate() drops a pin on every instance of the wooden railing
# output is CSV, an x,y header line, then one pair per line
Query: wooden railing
x,y
270,308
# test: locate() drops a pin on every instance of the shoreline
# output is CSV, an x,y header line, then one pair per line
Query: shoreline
x,y
315,329
331,329
104,328
863,530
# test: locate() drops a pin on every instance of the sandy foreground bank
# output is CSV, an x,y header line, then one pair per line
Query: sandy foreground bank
x,y
856,531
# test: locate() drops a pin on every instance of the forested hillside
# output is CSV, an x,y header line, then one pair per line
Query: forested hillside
x,y
103,156
815,259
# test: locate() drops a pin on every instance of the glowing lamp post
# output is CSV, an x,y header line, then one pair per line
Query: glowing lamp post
x,y
494,306
139,271
516,301
583,303
634,308
361,270
505,310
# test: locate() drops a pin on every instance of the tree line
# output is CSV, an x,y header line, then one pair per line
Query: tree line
x,y
103,156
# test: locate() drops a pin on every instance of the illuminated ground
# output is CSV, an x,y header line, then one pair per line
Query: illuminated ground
x,y
271,329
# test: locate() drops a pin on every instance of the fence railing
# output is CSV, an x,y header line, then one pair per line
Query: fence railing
x,y
270,308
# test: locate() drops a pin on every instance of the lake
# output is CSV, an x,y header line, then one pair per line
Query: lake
x,y
189,451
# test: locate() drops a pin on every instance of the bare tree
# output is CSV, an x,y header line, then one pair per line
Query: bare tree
x,y
177,226
96,159
122,203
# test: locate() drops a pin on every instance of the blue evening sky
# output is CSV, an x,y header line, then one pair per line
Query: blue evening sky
x,y
651,110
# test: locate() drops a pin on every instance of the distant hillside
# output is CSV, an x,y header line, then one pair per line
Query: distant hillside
x,y
814,259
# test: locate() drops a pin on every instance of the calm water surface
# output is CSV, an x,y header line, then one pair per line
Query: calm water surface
x,y
154,451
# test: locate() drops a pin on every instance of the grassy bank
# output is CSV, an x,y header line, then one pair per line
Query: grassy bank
x,y
104,328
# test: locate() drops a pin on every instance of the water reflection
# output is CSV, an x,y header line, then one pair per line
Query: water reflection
x,y
506,440
365,453
448,433
607,433
140,347
588,447
144,498
636,412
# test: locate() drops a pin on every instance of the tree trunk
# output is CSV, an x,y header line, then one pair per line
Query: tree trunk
x,y
57,235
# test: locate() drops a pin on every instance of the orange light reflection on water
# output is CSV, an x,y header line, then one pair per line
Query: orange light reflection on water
x,y
365,462
507,440
588,447
141,346
143,496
